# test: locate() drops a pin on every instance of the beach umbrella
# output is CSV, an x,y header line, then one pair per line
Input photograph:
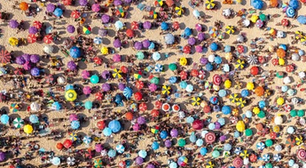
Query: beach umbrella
x,y
155,80
277,157
94,79
70,95
153,87
265,157
88,105
119,25
155,145
75,52
48,49
158,68
73,137
166,107
71,161
257,4
166,90
139,160
71,65
301,154
210,4
67,2
115,126
75,14
138,96
101,125
105,18
75,125
139,84
34,58
164,26
107,131
181,142
260,145
172,79
301,19
237,162
146,43
127,92
142,153
290,142
117,73
87,140
5,56
87,90
95,7
67,143
210,137
13,41
169,39
214,100
18,122
13,24
290,12
239,64
252,59
33,119
134,25
195,101
50,7
229,29
98,163
58,12
189,88
33,30
73,117
56,161
182,161
35,72
120,148
28,129
24,6
294,4
86,29
138,45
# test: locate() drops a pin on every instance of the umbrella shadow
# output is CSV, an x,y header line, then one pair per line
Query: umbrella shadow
x,y
95,30
82,65
106,41
182,26
111,32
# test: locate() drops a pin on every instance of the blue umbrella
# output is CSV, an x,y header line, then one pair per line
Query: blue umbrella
x,y
214,100
244,93
183,84
227,147
56,161
119,25
169,39
227,48
266,157
87,139
127,92
164,26
203,151
257,4
163,134
33,119
213,46
218,60
4,119
277,157
118,99
75,124
75,52
237,150
290,12
155,145
107,131
294,4
58,12
151,46
111,153
172,79
262,104
173,165
158,68
226,110
189,88
97,40
56,106
260,145
115,126
199,142
142,153
209,67
222,93
189,119
248,114
187,32
211,126
88,105
192,138
221,121
301,19
156,56
69,87
120,148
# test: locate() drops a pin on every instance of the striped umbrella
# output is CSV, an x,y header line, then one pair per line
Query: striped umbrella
x,y
120,148
18,122
159,68
277,157
266,157
73,137
260,145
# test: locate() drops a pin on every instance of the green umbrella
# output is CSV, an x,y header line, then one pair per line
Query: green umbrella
x,y
181,142
293,113
262,17
155,80
94,79
279,75
215,153
172,66
248,132
261,114
268,165
140,55
88,105
269,142
18,122
301,113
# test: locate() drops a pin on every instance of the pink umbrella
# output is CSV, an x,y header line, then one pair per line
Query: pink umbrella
x,y
73,117
87,90
152,87
27,66
199,49
117,58
198,27
136,127
95,7
98,147
85,74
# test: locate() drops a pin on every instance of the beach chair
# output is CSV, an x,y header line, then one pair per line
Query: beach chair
x,y
141,6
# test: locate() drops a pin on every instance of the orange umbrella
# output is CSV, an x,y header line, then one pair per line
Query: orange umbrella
x,y
194,73
281,53
59,146
274,3
24,6
129,33
129,116
169,2
259,91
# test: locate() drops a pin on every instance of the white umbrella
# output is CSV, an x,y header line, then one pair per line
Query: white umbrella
x,y
196,13
295,100
278,148
278,120
302,74
189,88
61,80
181,114
56,161
211,58
70,161
252,59
104,152
226,12
156,56
295,57
280,34
240,38
287,80
119,25
246,161
48,49
246,22
35,106
290,130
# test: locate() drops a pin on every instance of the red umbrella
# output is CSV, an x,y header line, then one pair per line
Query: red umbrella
x,y
183,75
240,48
170,3
101,125
154,113
254,70
138,96
194,73
122,164
210,137
301,154
261,59
32,38
97,60
48,39
67,2
187,49
5,57
142,106
273,135
75,14
129,33
99,96
253,158
129,116
176,25
18,71
207,109
217,79
275,61
139,84
124,69
289,68
67,143
134,25
37,24
285,22
158,104
237,162
59,146
197,124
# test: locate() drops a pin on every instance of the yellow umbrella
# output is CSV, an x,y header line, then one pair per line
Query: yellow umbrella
x,y
229,29
280,101
303,39
86,30
256,110
28,129
183,61
117,73
70,95
227,84
233,97
239,64
299,140
166,90
250,85
104,50
276,129
228,56
254,18
13,41
210,165
281,61
241,102
298,35
210,4
240,126
195,101
179,10
244,154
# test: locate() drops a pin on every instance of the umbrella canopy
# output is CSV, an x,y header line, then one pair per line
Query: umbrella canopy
x,y
5,56
210,4
58,12
70,95
18,122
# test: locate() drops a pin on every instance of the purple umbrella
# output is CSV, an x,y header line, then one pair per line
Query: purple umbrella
x,y
105,74
117,2
27,66
105,18
2,156
95,7
117,43
34,58
152,87
83,2
50,7
150,166
198,27
13,24
116,58
168,143
191,41
147,25
98,147
35,72
102,32
141,120
138,45
33,30
174,133
216,108
199,48
26,57
128,1
87,90
203,61
85,74
222,138
105,87
201,36
217,125
139,160
146,43
71,65
121,86
20,60
70,29
136,127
